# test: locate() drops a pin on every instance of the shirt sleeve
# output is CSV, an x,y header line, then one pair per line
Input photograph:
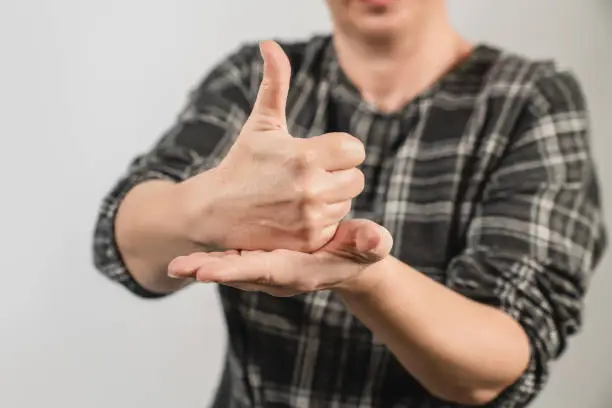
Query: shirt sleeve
x,y
214,114
538,231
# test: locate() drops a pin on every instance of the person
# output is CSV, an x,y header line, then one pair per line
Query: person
x,y
393,216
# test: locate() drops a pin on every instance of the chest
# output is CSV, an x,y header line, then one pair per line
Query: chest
x,y
424,172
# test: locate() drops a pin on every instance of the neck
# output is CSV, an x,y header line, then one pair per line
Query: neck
x,y
390,73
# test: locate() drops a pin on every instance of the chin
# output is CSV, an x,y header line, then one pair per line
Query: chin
x,y
379,26
379,18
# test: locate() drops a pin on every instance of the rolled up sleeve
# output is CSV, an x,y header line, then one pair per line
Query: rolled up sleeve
x,y
204,130
538,231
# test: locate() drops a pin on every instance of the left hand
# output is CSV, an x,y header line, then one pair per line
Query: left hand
x,y
356,245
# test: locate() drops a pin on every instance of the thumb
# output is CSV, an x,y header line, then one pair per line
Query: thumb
x,y
270,105
361,241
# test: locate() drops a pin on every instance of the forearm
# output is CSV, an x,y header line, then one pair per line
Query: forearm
x,y
459,349
150,232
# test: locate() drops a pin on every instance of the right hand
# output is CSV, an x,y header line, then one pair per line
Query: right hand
x,y
274,191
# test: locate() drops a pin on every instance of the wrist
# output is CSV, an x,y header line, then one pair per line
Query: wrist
x,y
149,234
368,280
156,207
198,200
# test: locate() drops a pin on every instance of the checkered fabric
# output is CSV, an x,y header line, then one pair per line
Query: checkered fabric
x,y
485,181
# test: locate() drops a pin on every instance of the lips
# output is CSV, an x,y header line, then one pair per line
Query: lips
x,y
377,3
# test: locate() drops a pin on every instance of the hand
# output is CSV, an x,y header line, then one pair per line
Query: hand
x,y
338,265
274,191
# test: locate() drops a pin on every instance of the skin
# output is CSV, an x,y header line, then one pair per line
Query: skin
x,y
393,53
270,191
388,52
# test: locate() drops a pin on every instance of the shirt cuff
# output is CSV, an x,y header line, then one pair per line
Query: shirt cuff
x,y
510,285
107,257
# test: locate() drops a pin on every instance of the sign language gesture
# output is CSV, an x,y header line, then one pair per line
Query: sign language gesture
x,y
278,201
356,245
272,190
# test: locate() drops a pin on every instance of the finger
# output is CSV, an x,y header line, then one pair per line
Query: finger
x,y
205,267
361,240
341,185
270,105
249,267
374,240
277,291
335,212
279,269
186,266
336,151
247,287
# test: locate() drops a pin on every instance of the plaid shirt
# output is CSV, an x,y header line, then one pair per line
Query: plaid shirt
x,y
485,181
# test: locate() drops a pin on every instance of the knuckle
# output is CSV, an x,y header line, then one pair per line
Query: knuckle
x,y
306,192
303,161
265,83
310,217
309,197
267,120
269,83
305,196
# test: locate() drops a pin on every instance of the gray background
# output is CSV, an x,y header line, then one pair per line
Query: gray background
x,y
84,85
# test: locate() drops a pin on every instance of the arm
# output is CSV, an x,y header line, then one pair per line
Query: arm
x,y
513,296
140,226
150,231
459,349
268,190
518,287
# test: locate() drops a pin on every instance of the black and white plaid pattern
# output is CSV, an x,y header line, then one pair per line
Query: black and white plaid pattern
x,y
485,181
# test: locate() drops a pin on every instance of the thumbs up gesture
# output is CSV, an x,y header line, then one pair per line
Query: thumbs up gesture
x,y
274,191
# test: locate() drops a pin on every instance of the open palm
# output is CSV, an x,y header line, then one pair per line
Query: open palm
x,y
356,245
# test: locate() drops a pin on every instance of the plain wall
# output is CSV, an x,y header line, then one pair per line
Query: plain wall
x,y
85,85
